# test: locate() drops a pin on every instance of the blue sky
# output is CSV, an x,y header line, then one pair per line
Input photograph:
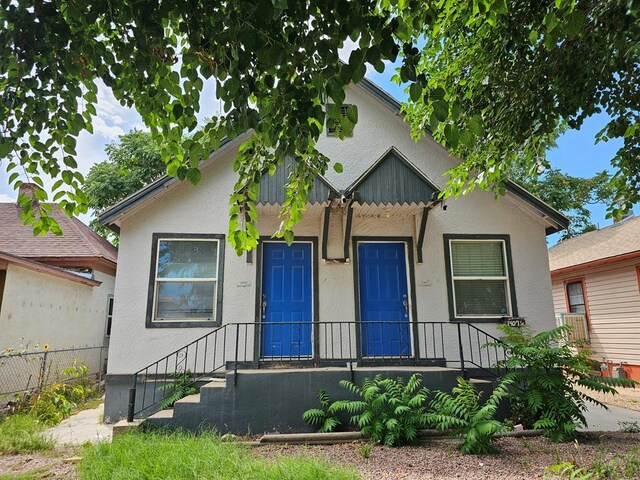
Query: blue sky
x,y
575,154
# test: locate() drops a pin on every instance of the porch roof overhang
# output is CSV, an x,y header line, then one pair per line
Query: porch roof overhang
x,y
272,187
392,180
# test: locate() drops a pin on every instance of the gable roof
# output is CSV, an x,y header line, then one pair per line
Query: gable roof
x,y
78,240
272,191
393,179
48,269
614,242
110,214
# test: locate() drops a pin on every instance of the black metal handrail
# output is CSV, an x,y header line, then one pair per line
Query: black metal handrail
x,y
312,344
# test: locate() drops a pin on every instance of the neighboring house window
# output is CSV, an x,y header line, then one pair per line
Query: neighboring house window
x,y
576,300
109,314
333,127
480,277
186,280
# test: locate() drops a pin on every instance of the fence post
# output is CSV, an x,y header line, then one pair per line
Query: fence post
x,y
100,369
43,370
461,350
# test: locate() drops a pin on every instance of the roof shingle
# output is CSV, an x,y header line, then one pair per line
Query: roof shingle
x,y
614,240
78,240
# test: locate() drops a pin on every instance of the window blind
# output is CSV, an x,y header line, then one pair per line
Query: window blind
x,y
477,259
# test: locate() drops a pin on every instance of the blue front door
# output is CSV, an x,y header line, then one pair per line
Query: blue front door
x,y
286,303
384,300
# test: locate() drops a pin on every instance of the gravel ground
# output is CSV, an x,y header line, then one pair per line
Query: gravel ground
x,y
626,398
49,465
521,458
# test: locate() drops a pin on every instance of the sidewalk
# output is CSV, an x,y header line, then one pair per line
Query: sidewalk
x,y
601,420
81,428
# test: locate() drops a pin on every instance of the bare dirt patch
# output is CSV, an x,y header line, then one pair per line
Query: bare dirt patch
x,y
50,465
521,458
626,398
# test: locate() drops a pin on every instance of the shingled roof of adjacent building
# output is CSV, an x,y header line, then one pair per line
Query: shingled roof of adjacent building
x,y
620,239
77,241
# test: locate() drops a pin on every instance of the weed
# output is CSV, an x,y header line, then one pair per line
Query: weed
x,y
364,450
548,370
181,386
182,455
389,411
462,412
21,433
322,418
629,427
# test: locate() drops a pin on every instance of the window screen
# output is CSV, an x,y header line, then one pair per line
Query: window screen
x,y
186,280
480,278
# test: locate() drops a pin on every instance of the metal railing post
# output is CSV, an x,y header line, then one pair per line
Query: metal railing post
x,y
132,399
461,350
235,363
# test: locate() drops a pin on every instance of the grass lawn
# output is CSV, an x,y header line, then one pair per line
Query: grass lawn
x,y
179,455
22,433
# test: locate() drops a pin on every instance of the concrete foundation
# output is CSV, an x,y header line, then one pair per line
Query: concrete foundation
x,y
261,401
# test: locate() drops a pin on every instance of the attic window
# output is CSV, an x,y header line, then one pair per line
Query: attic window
x,y
333,127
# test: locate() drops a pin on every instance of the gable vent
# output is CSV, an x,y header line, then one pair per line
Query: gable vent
x,y
333,127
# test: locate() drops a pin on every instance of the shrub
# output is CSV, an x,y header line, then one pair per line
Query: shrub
x,y
461,411
322,418
181,386
22,433
56,402
547,371
388,411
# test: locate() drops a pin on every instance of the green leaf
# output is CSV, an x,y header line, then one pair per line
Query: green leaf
x,y
338,167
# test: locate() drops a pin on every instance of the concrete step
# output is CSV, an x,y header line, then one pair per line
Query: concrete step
x,y
195,398
162,415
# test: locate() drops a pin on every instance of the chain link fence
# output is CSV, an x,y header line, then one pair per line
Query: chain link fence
x,y
31,371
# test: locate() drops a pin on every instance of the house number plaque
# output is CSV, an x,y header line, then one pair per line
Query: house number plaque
x,y
514,321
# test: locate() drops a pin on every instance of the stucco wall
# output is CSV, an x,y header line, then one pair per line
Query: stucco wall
x,y
203,209
613,296
38,308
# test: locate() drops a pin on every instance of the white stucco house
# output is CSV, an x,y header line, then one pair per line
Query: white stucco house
x,y
382,276
54,290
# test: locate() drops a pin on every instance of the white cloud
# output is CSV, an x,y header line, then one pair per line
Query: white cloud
x,y
4,198
100,127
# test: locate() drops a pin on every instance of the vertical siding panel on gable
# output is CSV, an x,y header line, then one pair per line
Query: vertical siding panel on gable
x,y
614,306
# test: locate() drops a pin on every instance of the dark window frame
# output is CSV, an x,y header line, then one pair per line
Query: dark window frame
x,y
332,130
156,237
109,325
449,274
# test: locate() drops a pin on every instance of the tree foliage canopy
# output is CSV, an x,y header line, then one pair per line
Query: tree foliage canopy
x,y
495,80
133,161
571,195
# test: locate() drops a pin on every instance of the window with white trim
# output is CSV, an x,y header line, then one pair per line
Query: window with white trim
x,y
479,273
575,298
186,279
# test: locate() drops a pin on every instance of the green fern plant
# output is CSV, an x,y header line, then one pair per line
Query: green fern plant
x,y
388,410
181,386
322,418
547,370
462,412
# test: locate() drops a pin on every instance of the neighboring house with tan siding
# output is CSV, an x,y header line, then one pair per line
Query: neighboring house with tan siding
x,y
598,275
